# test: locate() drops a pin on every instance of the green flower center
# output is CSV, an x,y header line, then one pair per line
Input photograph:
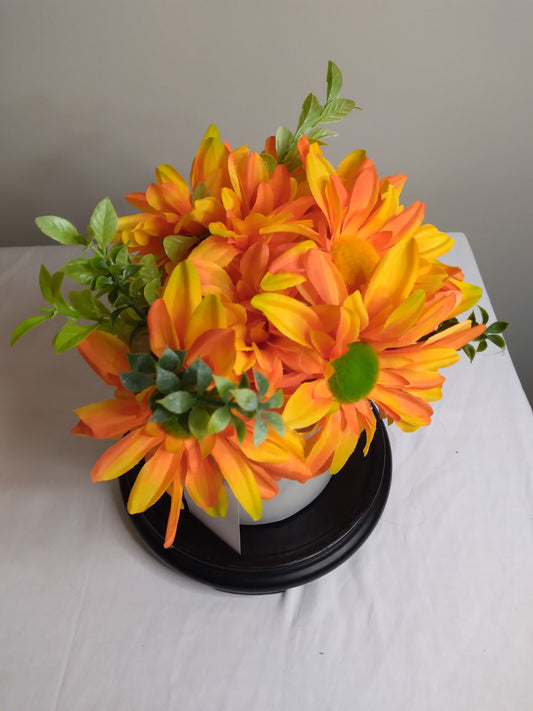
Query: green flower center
x,y
356,373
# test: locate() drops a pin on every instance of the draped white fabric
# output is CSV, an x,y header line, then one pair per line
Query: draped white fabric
x,y
434,612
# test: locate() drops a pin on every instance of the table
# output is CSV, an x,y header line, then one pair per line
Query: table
x,y
434,612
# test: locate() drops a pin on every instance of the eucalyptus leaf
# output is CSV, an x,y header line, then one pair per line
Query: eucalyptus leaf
x,y
59,229
224,387
136,382
274,402
246,399
219,420
262,384
240,427
160,414
276,420
178,402
166,381
172,360
260,431
198,422
141,363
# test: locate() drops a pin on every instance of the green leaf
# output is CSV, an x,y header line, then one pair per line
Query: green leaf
x,y
269,161
198,422
50,284
224,387
276,420
219,420
311,111
166,381
496,327
87,306
175,427
274,402
200,191
80,270
149,270
336,110
497,340
135,381
131,270
246,399
178,402
205,376
172,360
28,324
318,134
334,81
141,363
70,335
198,374
481,347
260,431
103,282
151,291
240,427
261,382
484,315
59,229
470,351
161,415
284,140
177,246
104,223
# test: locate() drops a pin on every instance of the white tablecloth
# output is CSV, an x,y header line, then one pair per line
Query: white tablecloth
x,y
434,612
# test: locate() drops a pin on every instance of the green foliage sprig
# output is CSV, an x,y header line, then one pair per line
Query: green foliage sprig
x,y
492,333
194,402
129,284
312,115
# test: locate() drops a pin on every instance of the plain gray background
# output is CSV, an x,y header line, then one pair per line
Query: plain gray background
x,y
94,95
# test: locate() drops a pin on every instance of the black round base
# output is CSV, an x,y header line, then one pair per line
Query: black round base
x,y
277,556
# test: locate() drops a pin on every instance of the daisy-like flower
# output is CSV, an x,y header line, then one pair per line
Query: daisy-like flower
x,y
182,318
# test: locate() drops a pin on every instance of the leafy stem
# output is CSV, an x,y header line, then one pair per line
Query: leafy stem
x,y
120,284
311,116
192,401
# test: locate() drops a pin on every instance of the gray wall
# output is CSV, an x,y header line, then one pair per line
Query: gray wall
x,y
96,94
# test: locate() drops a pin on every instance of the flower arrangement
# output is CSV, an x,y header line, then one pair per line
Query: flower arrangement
x,y
247,321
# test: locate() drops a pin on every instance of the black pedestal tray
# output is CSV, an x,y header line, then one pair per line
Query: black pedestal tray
x,y
277,556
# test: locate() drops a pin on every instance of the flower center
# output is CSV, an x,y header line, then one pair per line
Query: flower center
x,y
355,258
355,373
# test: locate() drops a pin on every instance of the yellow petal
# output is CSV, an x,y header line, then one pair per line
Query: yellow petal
x,y
152,481
288,315
393,278
237,473
183,293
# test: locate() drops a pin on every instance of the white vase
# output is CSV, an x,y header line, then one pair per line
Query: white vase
x,y
292,498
